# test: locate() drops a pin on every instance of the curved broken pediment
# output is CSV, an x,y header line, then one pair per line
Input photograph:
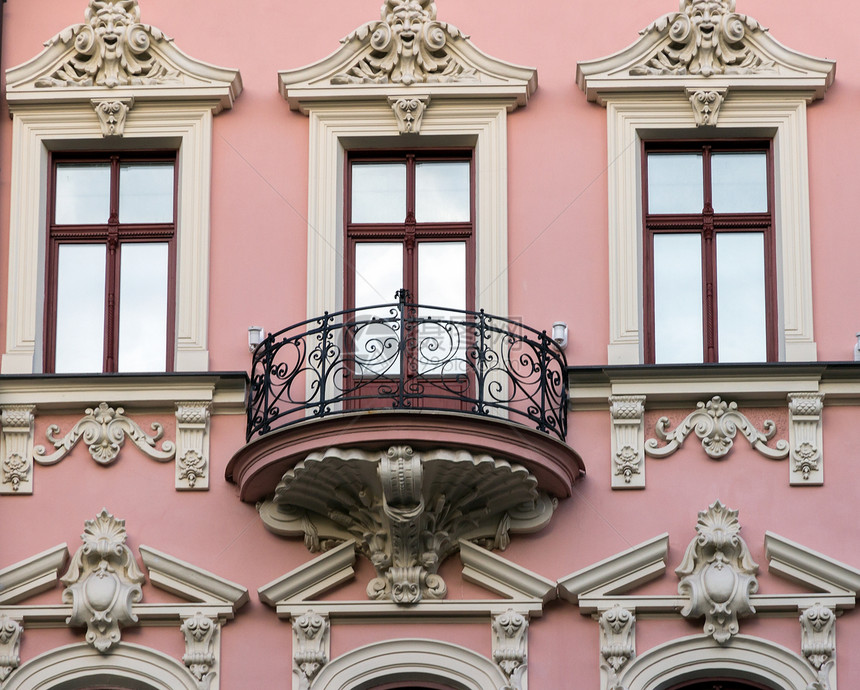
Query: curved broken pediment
x,y
112,52
407,48
709,45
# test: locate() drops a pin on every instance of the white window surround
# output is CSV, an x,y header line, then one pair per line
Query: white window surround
x,y
690,658
632,118
173,111
407,660
338,127
650,92
81,666
354,100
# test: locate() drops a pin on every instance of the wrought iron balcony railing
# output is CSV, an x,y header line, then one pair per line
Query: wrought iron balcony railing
x,y
405,356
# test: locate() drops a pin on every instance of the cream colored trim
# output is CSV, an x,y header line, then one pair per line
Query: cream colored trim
x,y
327,570
78,664
795,562
410,659
503,577
620,573
43,127
32,575
632,117
688,658
189,581
338,126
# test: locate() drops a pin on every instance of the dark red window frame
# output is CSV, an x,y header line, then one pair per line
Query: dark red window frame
x,y
113,234
708,224
409,232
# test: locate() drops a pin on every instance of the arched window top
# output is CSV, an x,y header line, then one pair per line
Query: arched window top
x,y
757,662
79,666
410,663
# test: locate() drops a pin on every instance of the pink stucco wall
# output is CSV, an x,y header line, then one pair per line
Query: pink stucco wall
x,y
558,271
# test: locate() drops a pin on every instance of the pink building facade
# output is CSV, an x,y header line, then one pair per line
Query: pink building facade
x,y
465,345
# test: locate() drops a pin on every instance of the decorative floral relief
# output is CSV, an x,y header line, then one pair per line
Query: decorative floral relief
x,y
103,430
718,574
17,442
806,437
705,38
628,433
409,111
818,634
103,582
617,642
112,115
112,48
716,423
509,645
310,636
192,443
10,645
407,47
706,105
200,632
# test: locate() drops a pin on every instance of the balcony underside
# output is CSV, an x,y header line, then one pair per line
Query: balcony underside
x,y
259,466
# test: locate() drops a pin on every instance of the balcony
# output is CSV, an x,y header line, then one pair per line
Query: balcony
x,y
453,422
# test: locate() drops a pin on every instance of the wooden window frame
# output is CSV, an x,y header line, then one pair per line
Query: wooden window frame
x,y
409,232
114,235
708,224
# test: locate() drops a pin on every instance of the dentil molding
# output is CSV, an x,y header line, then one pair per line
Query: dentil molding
x,y
406,510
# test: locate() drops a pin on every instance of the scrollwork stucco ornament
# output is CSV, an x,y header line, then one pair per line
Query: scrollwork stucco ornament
x,y
310,642
706,105
103,582
103,430
112,48
510,630
718,574
112,114
705,38
408,46
717,423
11,631
617,641
200,634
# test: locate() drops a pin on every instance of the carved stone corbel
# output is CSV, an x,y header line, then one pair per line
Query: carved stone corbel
x,y
201,639
104,430
510,646
617,642
103,582
706,105
16,449
805,438
310,647
718,574
818,634
192,445
716,423
10,645
628,441
112,114
409,111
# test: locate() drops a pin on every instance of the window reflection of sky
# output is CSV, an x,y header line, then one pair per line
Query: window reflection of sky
x,y
83,193
80,308
143,307
678,298
741,297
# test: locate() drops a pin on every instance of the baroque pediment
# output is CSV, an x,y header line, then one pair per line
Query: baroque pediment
x,y
113,55
705,45
407,50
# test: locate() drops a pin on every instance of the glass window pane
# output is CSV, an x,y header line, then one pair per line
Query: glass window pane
x,y
442,192
80,308
678,335
739,182
741,312
378,192
675,183
146,193
83,194
442,283
143,307
376,337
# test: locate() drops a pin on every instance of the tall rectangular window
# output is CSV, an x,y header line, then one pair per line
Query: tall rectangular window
x,y
709,252
111,263
410,226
